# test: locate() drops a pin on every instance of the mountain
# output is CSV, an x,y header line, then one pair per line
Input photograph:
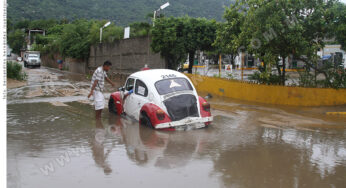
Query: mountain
x,y
122,12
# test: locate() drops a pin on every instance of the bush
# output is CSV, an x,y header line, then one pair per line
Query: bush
x,y
14,71
265,78
230,76
216,76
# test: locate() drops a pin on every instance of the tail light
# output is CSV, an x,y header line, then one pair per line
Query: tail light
x,y
206,106
160,114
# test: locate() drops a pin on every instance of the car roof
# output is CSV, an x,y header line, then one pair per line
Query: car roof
x,y
153,75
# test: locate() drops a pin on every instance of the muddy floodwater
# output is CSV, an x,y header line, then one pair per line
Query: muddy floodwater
x,y
53,141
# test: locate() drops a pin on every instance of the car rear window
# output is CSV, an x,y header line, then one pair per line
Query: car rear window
x,y
172,85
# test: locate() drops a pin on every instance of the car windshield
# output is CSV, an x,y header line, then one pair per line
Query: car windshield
x,y
172,85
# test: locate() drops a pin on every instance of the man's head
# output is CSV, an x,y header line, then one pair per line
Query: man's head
x,y
107,65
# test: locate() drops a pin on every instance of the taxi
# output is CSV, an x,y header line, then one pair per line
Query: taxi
x,y
161,99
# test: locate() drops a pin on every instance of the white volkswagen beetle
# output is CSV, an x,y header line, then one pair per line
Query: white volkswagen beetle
x,y
161,99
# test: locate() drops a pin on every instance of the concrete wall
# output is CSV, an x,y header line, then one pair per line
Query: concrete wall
x,y
50,60
127,56
277,95
70,64
77,65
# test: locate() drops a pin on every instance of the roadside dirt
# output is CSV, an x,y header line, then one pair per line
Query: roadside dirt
x,y
12,83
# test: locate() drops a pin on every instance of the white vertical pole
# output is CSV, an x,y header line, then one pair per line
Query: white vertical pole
x,y
154,18
101,35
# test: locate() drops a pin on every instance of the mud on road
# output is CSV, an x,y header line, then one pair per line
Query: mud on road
x,y
54,141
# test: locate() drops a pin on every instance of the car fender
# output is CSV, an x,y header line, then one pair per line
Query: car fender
x,y
150,109
118,101
203,112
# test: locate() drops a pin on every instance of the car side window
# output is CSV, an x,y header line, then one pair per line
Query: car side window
x,y
129,84
141,89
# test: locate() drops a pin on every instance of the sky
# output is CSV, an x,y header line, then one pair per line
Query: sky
x,y
344,1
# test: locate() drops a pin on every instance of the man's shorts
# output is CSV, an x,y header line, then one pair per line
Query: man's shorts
x,y
99,100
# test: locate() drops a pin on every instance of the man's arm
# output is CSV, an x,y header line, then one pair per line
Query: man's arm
x,y
109,81
127,94
92,88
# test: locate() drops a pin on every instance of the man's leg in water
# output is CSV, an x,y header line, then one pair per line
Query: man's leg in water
x,y
98,114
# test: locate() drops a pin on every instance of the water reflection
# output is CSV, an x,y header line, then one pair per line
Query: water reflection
x,y
162,149
284,158
326,153
99,152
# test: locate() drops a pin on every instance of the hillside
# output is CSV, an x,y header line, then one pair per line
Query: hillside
x,y
121,12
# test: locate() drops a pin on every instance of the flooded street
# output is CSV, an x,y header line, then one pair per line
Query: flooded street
x,y
53,140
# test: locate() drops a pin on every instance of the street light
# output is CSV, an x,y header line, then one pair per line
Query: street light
x,y
161,8
106,25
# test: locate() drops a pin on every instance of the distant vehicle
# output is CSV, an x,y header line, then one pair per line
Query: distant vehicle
x,y
161,99
32,58
9,50
183,67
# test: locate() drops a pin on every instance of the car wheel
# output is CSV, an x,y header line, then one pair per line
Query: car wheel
x,y
111,106
25,65
145,120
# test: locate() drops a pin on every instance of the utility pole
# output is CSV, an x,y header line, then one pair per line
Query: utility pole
x,y
220,65
242,66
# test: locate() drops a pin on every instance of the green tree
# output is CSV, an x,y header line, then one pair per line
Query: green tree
x,y
198,34
274,30
53,35
74,39
167,39
22,24
318,23
42,24
140,29
227,33
10,25
16,40
174,38
338,14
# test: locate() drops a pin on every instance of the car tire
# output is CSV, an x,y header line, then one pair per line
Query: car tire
x,y
25,65
111,106
145,121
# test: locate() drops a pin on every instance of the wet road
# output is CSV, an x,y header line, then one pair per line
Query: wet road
x,y
54,141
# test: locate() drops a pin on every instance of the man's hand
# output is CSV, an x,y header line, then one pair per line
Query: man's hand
x,y
91,93
92,88
109,81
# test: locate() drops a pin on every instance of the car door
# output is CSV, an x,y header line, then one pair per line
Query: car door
x,y
140,96
129,102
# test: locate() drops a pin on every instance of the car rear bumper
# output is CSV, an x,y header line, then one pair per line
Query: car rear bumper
x,y
187,121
